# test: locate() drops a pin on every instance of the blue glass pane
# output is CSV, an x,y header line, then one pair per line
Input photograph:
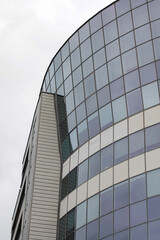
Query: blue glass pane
x,y
99,58
124,235
97,40
131,81
118,216
92,231
129,61
153,137
79,94
115,69
82,172
108,14
121,195
148,74
105,114
110,32
75,59
69,102
84,32
112,50
106,225
65,51
145,53
89,85
93,208
155,28
73,140
91,104
107,157
94,165
127,42
154,230
103,96
119,109
81,215
140,16
121,150
139,233
74,42
122,6
86,49
93,124
125,23
81,112
71,120
68,85
87,67
77,76
66,68
143,34
150,95
117,88
95,23
154,9
156,48
137,188
138,213
101,77
153,180
134,102
154,208
83,132
81,233
106,201
136,144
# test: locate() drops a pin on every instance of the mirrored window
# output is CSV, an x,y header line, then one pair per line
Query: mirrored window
x,y
156,48
138,213
91,104
93,208
65,51
154,9
79,94
77,76
118,216
87,67
89,85
81,112
131,81
136,143
83,172
129,60
94,165
103,96
105,114
112,50
81,214
106,225
127,42
108,14
122,7
148,73
119,109
145,53
97,40
150,95
142,34
93,125
92,230
153,186
95,23
140,16
117,88
83,132
99,58
75,59
134,102
66,68
73,42
86,49
137,188
121,150
110,32
106,201
125,23
101,77
115,69
121,195
107,157
84,32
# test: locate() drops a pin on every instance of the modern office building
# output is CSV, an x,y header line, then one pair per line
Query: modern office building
x,y
91,169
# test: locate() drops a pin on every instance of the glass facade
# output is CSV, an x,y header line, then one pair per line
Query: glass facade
x,y
106,77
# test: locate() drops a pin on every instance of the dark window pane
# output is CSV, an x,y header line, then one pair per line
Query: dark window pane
x,y
143,34
106,225
95,23
115,69
79,94
105,114
134,102
110,32
138,213
81,214
106,201
61,110
63,129
127,42
71,119
86,49
87,67
119,109
139,233
94,165
103,96
125,23
107,157
72,180
108,14
65,148
70,237
83,132
153,137
154,208
91,104
118,216
64,188
97,40
89,84
121,150
153,180
121,195
117,88
77,76
99,58
140,16
148,74
84,32
62,227
137,188
112,50
101,77
154,230
93,124
129,61
131,81
75,59
83,172
92,231
70,221
93,208
81,112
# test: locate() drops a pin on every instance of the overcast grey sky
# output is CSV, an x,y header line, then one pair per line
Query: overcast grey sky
x,y
31,32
